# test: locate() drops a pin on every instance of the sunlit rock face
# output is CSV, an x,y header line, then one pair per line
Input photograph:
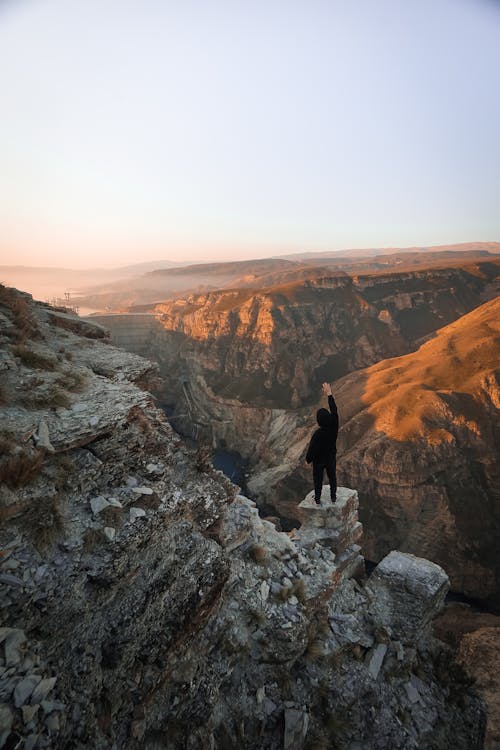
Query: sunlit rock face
x,y
146,604
273,347
420,440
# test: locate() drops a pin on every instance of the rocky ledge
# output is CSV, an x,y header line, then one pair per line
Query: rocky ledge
x,y
146,604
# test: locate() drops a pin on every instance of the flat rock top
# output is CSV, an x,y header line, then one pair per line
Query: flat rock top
x,y
344,495
415,575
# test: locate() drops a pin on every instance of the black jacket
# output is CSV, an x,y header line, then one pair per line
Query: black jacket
x,y
323,445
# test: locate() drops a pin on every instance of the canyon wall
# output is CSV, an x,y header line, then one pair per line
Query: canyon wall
x,y
148,605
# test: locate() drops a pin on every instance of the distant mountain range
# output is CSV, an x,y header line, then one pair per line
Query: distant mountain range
x,y
155,281
160,285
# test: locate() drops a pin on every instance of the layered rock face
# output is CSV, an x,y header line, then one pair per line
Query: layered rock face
x,y
147,605
420,440
273,347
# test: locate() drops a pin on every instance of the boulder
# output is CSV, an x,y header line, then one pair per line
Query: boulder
x,y
407,593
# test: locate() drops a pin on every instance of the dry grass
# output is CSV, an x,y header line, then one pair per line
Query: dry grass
x,y
284,593
402,395
64,463
357,651
44,522
318,740
256,617
148,502
335,659
19,466
7,443
203,459
72,381
51,398
92,538
314,650
299,589
32,359
20,311
137,416
63,468
112,516
9,509
258,554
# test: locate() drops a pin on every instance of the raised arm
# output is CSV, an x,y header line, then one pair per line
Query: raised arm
x,y
327,390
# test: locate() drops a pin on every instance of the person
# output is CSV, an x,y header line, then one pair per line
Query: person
x,y
322,450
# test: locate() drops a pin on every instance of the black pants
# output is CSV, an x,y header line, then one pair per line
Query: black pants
x,y
331,472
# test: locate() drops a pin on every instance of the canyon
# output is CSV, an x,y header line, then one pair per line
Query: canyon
x,y
241,370
147,604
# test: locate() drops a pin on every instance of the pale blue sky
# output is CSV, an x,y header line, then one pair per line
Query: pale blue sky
x,y
133,130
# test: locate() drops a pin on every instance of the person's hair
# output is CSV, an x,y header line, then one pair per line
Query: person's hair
x,y
323,418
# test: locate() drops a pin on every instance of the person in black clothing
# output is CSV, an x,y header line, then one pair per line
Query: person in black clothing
x,y
322,449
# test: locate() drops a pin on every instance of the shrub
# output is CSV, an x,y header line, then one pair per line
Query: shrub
x,y
256,617
92,538
112,516
258,553
64,463
32,359
72,381
299,588
20,311
137,416
52,397
284,593
18,467
203,459
318,740
44,521
314,650
335,659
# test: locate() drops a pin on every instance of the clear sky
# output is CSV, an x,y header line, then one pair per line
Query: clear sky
x,y
207,129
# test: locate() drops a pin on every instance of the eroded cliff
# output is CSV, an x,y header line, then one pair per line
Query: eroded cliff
x,y
273,347
147,605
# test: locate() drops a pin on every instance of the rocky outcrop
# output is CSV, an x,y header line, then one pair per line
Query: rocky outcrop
x,y
147,605
479,654
334,526
272,347
408,592
475,638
